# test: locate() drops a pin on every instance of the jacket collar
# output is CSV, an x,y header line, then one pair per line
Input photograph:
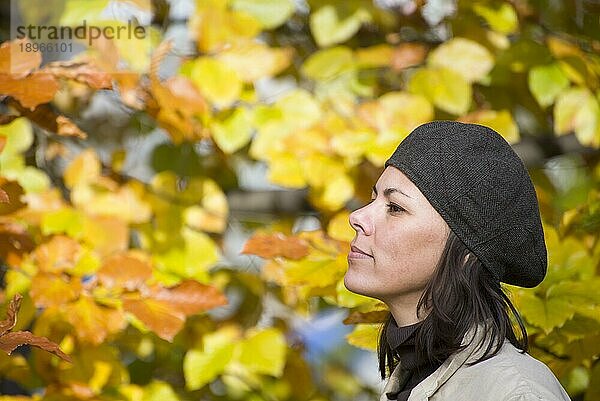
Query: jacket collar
x,y
433,382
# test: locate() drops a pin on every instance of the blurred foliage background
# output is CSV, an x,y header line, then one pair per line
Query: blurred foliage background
x,y
176,215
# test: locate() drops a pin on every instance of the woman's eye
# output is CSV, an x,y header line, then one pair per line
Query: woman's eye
x,y
394,208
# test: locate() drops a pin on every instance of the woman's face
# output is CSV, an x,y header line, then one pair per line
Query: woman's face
x,y
404,237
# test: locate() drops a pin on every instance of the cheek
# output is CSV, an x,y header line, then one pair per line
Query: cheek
x,y
415,251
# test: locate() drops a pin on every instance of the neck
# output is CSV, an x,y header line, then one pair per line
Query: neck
x,y
404,310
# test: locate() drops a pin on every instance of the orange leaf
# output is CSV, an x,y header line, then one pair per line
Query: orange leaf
x,y
124,271
157,316
10,341
57,255
13,191
15,241
271,245
17,63
53,290
3,138
408,55
7,324
4,197
377,316
85,72
66,127
127,84
190,297
93,322
30,91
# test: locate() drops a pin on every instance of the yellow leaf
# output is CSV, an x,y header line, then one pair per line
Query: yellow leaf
x,y
325,65
215,26
159,391
501,121
577,110
502,19
315,272
365,336
123,203
352,143
328,29
234,133
339,227
337,192
264,352
220,84
320,170
19,138
374,56
84,169
444,87
93,322
201,367
254,60
270,13
191,260
405,111
348,299
465,57
287,171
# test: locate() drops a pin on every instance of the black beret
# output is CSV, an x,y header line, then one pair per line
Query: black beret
x,y
480,186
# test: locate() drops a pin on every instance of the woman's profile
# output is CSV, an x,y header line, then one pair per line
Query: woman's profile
x,y
452,216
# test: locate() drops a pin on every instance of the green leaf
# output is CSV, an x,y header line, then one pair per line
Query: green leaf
x,y
445,88
546,82
328,29
234,133
502,19
19,137
270,13
159,391
545,313
577,110
328,64
201,367
264,352
463,56
65,220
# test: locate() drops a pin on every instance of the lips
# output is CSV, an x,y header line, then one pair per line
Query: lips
x,y
356,250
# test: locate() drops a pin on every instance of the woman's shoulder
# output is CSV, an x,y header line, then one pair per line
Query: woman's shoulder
x,y
514,375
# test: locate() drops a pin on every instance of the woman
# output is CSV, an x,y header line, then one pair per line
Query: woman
x,y
453,214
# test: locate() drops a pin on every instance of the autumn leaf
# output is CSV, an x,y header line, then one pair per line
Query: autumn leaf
x,y
4,197
66,127
164,310
377,316
271,245
93,322
189,297
408,55
11,340
84,72
124,271
17,63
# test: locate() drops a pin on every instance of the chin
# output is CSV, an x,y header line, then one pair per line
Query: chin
x,y
354,285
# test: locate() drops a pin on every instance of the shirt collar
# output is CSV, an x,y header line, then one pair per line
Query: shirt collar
x,y
433,382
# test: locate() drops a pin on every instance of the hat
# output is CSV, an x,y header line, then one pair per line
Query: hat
x,y
481,188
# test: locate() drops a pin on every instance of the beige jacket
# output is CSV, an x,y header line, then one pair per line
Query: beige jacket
x,y
507,376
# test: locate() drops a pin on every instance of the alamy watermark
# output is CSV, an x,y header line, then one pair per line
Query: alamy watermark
x,y
61,29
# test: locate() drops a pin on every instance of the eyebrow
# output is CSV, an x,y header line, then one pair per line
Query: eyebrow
x,y
388,191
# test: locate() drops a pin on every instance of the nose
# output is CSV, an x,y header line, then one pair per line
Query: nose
x,y
359,221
